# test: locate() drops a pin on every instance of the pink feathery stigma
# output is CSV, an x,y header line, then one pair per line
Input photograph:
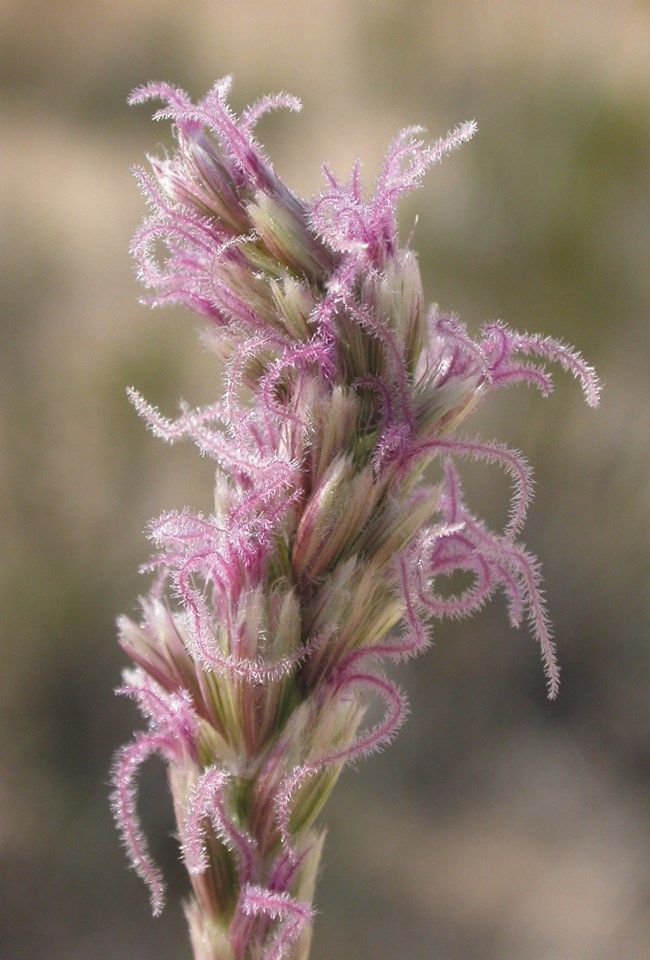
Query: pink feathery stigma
x,y
292,914
207,802
123,802
337,508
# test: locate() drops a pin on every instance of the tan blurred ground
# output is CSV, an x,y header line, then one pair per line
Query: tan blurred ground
x,y
498,826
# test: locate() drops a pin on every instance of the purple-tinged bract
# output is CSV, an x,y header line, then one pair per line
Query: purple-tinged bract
x,y
261,643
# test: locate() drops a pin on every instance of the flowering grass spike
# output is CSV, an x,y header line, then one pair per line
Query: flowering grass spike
x,y
261,643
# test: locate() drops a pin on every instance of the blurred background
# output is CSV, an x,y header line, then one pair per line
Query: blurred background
x,y
499,826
